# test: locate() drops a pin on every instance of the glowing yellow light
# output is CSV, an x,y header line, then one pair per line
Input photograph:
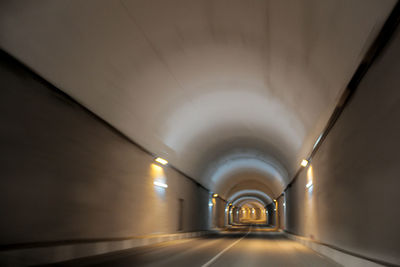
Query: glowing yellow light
x,y
215,195
304,163
161,161
230,204
156,170
310,177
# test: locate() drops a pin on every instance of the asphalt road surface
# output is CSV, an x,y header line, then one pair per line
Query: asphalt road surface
x,y
224,249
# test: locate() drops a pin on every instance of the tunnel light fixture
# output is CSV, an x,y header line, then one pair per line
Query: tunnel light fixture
x,y
215,195
304,163
230,204
160,184
309,184
161,161
210,204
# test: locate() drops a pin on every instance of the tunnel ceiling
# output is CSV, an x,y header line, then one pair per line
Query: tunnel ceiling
x,y
208,85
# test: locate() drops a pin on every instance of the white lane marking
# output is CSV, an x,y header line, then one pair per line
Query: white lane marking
x,y
208,263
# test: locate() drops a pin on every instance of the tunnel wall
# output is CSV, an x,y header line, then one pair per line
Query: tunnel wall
x,y
67,175
281,212
218,213
271,214
353,203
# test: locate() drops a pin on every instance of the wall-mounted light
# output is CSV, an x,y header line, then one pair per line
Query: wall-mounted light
x,y
304,163
160,184
309,184
161,161
215,195
210,204
230,204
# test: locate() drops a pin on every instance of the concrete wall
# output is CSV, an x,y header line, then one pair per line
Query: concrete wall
x,y
281,211
354,201
271,214
218,213
66,175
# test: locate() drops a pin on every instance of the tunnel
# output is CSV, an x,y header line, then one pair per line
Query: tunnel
x,y
199,133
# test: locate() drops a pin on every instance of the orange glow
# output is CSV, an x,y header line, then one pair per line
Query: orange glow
x,y
156,171
310,176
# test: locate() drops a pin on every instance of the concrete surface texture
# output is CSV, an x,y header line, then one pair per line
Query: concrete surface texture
x,y
66,175
234,94
353,203
207,85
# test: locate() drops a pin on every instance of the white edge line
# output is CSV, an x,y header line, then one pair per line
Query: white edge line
x,y
208,263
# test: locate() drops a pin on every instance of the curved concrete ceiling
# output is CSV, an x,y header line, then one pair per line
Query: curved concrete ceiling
x,y
243,167
208,85
262,196
241,201
252,204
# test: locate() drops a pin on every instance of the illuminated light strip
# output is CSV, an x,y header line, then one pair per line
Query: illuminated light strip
x,y
160,184
309,184
304,163
161,160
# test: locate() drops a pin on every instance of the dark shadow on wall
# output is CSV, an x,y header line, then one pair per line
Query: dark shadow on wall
x,y
69,176
352,204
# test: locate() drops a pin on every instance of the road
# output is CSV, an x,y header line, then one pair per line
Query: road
x,y
225,249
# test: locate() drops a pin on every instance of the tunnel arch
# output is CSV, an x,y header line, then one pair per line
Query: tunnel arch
x,y
265,198
212,75
247,169
233,95
234,210
244,199
252,204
